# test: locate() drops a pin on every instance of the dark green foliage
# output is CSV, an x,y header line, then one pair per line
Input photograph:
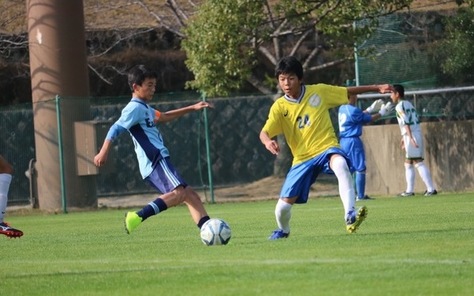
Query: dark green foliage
x,y
454,54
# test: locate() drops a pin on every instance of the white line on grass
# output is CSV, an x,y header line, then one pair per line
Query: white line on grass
x,y
67,267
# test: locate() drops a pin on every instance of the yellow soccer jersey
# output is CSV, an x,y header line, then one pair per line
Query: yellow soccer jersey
x,y
305,122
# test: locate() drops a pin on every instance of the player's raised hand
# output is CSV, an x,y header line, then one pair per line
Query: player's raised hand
x,y
375,107
386,109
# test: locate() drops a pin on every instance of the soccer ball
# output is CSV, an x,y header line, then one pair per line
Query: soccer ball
x,y
215,232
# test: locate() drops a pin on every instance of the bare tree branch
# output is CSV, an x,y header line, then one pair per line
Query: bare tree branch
x,y
257,83
178,12
99,75
328,64
120,39
160,20
266,53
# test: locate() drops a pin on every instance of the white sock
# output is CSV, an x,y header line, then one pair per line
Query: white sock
x,y
345,182
5,180
425,175
410,177
283,215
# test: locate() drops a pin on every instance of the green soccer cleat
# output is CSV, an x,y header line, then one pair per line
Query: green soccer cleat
x,y
132,220
354,220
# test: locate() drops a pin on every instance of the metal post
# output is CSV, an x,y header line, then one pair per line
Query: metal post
x,y
61,155
356,60
208,151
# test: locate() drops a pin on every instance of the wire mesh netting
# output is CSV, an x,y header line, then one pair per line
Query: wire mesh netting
x,y
400,51
236,154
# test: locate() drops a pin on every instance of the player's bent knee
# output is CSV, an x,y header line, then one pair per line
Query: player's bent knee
x,y
338,163
180,194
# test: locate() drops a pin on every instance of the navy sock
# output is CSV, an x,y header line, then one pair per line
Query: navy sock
x,y
202,221
152,208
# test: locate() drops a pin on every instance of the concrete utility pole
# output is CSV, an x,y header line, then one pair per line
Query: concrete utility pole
x,y
58,65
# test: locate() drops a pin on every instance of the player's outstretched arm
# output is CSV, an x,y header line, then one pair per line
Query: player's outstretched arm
x,y
176,113
375,107
101,157
380,88
385,110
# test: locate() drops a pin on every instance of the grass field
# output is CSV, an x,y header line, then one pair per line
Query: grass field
x,y
407,246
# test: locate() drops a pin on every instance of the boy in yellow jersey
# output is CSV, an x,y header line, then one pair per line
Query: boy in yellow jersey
x,y
302,116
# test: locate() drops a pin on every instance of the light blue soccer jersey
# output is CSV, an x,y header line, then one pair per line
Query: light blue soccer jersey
x,y
138,118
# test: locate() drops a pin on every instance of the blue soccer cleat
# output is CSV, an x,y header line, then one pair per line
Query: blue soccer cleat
x,y
277,234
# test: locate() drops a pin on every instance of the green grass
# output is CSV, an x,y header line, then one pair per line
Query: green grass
x,y
407,246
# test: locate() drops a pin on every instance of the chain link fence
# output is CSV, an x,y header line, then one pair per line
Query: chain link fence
x,y
236,154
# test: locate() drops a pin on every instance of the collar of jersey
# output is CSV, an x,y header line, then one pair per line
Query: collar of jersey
x,y
136,100
302,92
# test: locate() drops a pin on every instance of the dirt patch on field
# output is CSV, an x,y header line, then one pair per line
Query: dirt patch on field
x,y
264,189
269,188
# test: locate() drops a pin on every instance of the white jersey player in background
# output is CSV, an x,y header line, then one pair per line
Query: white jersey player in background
x,y
412,143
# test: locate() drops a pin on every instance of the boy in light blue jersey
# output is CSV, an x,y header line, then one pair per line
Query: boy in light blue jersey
x,y
302,116
351,120
139,119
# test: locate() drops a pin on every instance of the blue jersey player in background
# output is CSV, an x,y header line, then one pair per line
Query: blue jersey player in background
x,y
351,120
139,119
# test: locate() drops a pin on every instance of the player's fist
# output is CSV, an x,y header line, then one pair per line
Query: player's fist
x,y
375,107
385,88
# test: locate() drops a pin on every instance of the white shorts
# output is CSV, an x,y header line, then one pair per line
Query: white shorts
x,y
412,152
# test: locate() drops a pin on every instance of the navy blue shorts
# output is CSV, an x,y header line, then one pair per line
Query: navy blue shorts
x,y
164,177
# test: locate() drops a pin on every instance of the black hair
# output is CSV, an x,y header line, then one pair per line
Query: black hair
x,y
289,65
399,89
138,74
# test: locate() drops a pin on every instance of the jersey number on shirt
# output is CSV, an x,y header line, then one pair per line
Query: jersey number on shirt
x,y
342,120
303,121
149,123
412,116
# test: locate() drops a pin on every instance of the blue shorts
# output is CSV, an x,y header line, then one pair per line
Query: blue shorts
x,y
301,176
164,177
354,149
